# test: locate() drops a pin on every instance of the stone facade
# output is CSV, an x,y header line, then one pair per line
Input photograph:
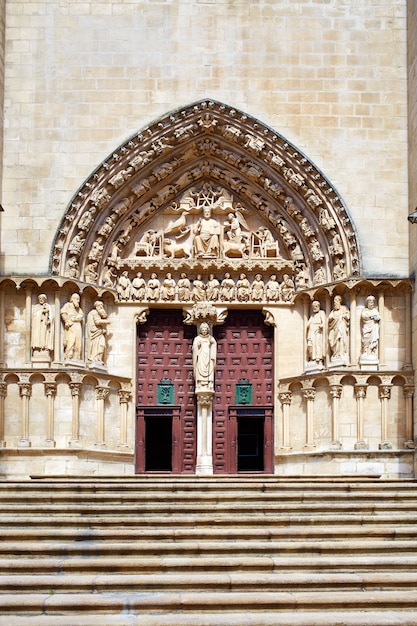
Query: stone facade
x,y
148,144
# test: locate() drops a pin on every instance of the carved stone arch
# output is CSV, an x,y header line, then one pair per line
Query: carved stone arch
x,y
160,174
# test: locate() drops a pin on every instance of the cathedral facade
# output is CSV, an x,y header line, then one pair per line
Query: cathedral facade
x,y
207,266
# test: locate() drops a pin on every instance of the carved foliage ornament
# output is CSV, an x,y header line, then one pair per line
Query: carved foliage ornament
x,y
144,207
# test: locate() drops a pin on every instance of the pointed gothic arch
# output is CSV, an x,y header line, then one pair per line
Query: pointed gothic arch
x,y
156,184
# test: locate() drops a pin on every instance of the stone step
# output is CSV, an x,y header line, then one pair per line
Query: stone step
x,y
205,508
203,582
254,492
54,532
207,601
267,521
208,548
174,564
249,488
383,617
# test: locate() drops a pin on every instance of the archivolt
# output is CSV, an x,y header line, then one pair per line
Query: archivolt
x,y
207,144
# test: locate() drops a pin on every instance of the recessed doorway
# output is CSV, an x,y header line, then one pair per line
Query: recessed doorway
x,y
158,449
250,444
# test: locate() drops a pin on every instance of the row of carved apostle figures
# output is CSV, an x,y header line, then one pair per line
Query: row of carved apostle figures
x,y
73,320
196,290
337,328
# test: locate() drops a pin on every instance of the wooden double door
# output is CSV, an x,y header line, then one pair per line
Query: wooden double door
x,y
166,433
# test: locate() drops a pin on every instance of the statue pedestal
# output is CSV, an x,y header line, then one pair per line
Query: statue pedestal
x,y
204,464
369,362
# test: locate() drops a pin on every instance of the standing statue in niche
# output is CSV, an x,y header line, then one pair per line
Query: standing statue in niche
x,y
204,358
338,324
315,335
370,320
42,328
97,330
72,316
206,239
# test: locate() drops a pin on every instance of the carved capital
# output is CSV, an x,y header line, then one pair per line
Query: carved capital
x,y
309,394
408,391
384,392
204,400
124,396
50,389
102,392
3,390
336,391
25,390
360,391
75,389
285,397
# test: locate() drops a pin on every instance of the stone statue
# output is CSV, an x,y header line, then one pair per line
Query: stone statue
x,y
124,286
184,288
168,288
315,334
138,287
370,320
42,327
272,289
204,358
287,289
227,288
72,316
258,288
199,289
206,239
97,330
338,324
243,289
154,287
213,288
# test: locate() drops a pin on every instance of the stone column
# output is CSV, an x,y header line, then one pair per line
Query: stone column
x,y
101,395
408,340
409,430
360,395
124,398
309,395
384,392
336,394
28,323
381,309
25,391
204,464
57,333
3,394
75,393
353,329
285,398
2,329
50,392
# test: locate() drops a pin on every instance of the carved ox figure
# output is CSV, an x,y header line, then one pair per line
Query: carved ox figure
x,y
175,250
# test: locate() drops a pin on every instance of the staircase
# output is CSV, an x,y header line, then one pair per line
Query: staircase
x,y
179,551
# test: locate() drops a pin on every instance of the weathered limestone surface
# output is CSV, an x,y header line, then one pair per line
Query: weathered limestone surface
x,y
209,552
81,77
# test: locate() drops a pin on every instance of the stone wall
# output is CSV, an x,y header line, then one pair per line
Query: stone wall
x,y
81,77
412,164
